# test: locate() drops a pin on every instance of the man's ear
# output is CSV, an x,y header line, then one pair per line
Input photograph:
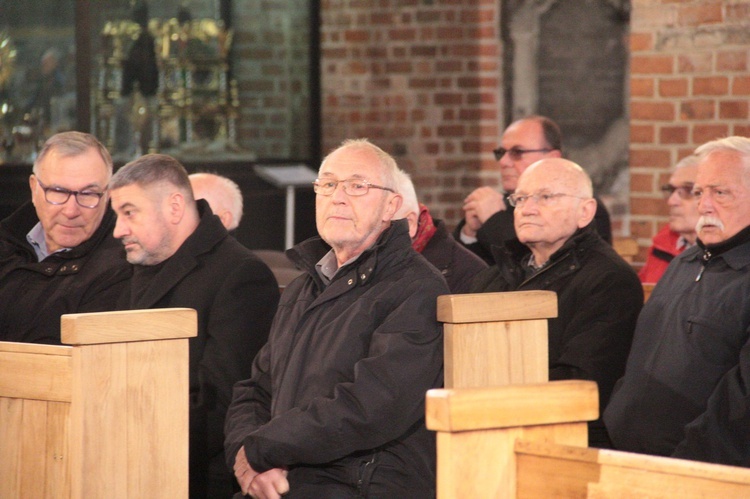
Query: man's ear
x,y
175,207
413,219
587,210
555,153
226,218
32,182
394,204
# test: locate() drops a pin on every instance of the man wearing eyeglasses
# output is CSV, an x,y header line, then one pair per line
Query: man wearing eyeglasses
x,y
558,249
335,404
57,253
679,234
488,218
685,392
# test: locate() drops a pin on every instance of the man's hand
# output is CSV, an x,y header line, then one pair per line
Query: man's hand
x,y
481,204
270,484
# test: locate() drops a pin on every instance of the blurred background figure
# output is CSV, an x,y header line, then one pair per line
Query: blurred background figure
x,y
222,194
679,234
430,238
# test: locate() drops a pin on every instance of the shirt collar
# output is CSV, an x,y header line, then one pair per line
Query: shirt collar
x,y
38,241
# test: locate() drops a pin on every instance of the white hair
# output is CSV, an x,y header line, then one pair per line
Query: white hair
x,y
221,193
406,189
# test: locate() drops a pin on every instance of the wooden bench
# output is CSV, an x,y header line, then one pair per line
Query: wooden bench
x,y
528,439
104,417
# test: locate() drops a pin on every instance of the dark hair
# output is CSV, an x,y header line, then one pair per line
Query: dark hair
x,y
153,169
550,129
73,144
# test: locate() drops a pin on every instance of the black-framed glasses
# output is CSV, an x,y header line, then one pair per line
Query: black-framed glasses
x,y
352,186
59,195
540,198
515,153
684,191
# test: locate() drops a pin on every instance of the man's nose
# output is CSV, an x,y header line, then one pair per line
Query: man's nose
x,y
120,228
71,208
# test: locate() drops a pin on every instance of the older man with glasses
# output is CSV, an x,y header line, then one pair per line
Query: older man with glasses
x,y
57,253
679,234
335,404
488,217
557,249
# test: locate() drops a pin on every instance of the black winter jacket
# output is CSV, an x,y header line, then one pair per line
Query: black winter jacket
x,y
457,264
599,298
338,391
33,294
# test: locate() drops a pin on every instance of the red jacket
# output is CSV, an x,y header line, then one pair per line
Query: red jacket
x,y
663,250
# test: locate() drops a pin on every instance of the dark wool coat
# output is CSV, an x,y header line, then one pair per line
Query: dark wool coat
x,y
235,295
599,297
457,264
33,295
337,394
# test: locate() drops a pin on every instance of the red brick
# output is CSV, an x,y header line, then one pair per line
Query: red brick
x,y
403,34
735,60
704,133
652,111
741,85
698,110
643,134
641,41
641,182
729,110
673,135
451,131
738,12
354,36
742,130
444,98
703,13
651,64
673,87
714,85
642,87
642,229
650,158
694,63
648,206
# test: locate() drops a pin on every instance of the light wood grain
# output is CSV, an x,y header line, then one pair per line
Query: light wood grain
x,y
39,373
508,406
494,307
129,325
584,472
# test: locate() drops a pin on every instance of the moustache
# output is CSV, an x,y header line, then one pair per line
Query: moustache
x,y
708,220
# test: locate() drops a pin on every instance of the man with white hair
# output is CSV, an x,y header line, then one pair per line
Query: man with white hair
x,y
222,194
430,238
558,249
335,404
679,234
685,389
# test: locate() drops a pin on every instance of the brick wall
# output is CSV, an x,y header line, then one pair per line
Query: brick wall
x,y
270,61
689,83
421,79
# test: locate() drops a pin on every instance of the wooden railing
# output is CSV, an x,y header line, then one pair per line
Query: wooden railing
x,y
104,417
510,438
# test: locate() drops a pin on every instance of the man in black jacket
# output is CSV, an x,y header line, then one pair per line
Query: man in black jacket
x,y
335,405
57,253
184,257
556,249
488,215
430,238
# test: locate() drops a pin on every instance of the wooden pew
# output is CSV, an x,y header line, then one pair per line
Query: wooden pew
x,y
104,417
528,440
496,339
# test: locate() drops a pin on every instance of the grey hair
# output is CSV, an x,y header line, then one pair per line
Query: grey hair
x,y
228,190
153,169
736,144
68,144
387,162
406,189
687,161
